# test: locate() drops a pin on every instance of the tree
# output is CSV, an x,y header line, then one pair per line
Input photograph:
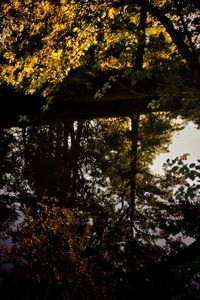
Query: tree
x,y
142,44
97,37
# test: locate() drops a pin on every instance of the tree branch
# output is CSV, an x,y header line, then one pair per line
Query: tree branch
x,y
176,36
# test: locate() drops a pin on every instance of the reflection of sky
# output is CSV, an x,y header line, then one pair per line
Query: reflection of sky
x,y
185,141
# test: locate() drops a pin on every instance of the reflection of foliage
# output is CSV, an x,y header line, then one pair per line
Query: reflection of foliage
x,y
48,250
7,140
85,166
12,161
7,213
172,200
73,159
112,144
58,247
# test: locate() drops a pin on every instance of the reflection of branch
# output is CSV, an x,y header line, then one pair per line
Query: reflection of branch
x,y
139,213
183,296
145,233
141,195
189,253
192,89
149,174
135,122
122,216
81,172
122,199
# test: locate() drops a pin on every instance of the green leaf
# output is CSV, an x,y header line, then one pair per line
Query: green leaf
x,y
23,119
98,95
45,107
174,169
192,165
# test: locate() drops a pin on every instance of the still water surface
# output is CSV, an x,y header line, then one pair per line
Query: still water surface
x,y
89,166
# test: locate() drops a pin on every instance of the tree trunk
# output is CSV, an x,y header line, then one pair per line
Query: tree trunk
x,y
135,119
75,152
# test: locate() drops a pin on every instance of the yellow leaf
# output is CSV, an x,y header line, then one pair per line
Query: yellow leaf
x,y
111,13
21,27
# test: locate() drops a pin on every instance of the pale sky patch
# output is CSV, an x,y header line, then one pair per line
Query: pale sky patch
x,y
185,141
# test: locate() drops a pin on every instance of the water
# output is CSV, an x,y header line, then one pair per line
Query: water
x,y
187,141
75,181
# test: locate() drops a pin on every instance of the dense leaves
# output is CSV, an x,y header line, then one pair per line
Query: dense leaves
x,y
42,42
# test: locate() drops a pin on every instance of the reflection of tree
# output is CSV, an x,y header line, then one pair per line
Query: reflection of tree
x,y
52,160
86,165
6,142
84,160
7,215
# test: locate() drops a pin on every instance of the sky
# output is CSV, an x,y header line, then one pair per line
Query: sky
x,y
185,141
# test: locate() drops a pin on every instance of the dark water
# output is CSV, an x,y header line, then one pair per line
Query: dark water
x,y
91,200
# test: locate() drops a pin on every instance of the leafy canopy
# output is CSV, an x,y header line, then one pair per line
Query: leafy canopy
x,y
43,41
